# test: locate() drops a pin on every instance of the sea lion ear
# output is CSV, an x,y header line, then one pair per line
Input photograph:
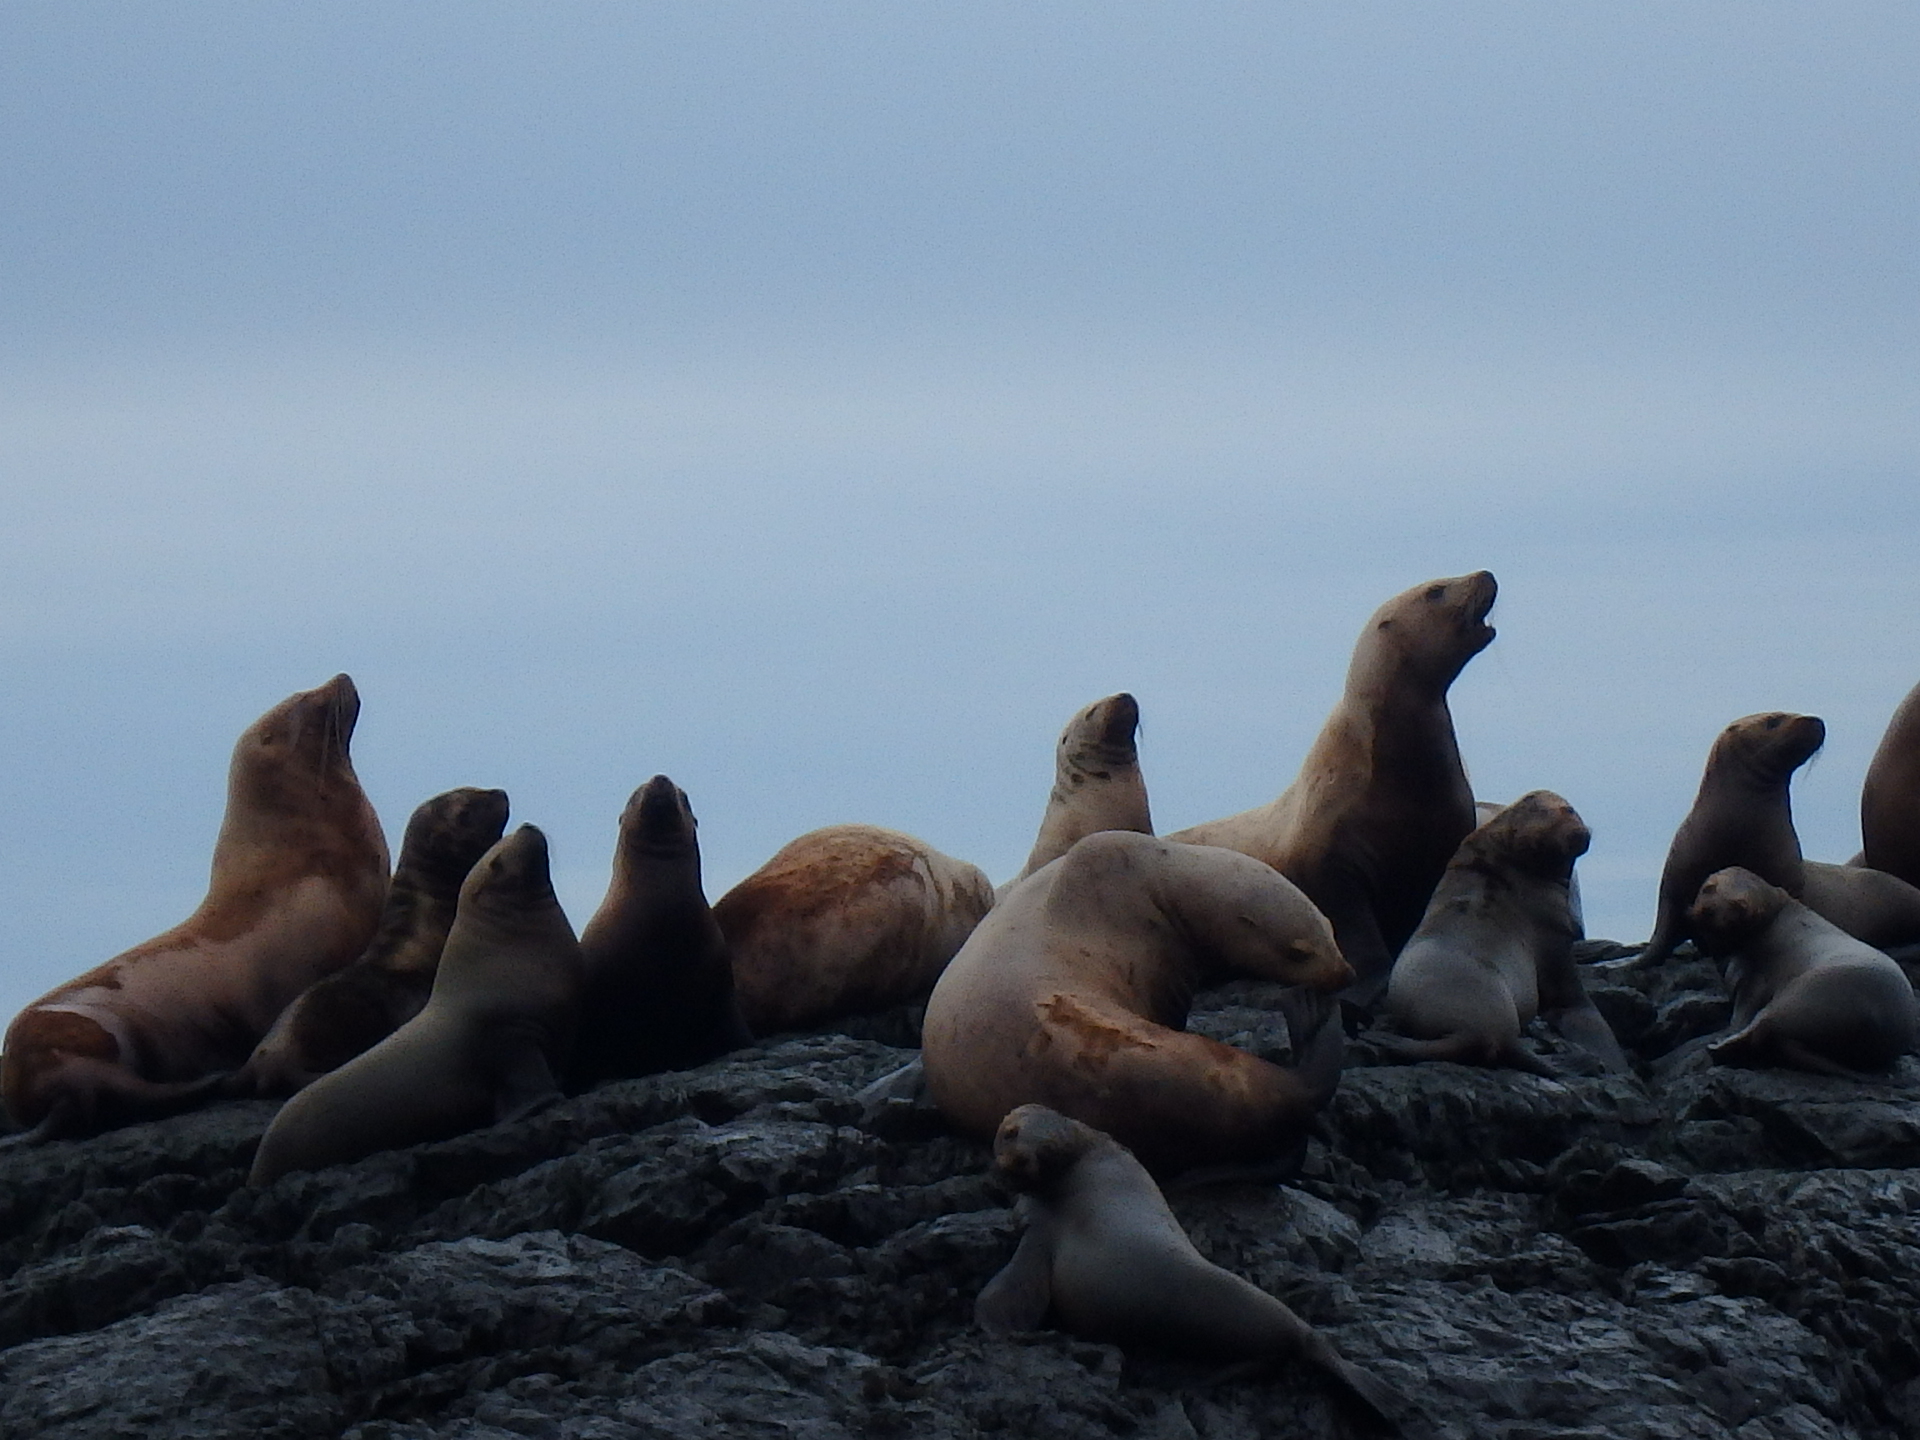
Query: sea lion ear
x,y
1017,1298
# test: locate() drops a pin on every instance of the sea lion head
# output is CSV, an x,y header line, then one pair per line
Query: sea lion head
x,y
1100,739
1540,832
447,835
1432,630
658,819
1732,907
512,878
296,755
1769,746
1035,1147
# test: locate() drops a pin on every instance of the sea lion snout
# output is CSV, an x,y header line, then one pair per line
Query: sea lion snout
x,y
659,814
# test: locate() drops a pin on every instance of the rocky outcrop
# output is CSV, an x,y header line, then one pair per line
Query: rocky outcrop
x,y
752,1248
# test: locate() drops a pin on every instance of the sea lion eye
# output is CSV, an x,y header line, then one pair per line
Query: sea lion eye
x,y
1434,592
1773,722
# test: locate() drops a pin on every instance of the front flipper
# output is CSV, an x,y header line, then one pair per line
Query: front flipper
x,y
1586,1027
526,1086
1019,1296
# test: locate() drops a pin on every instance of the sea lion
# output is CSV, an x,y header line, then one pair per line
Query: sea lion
x,y
1496,947
1096,782
659,988
843,921
1072,992
1743,816
354,1009
1382,800
1805,993
487,1046
1890,798
1104,1254
299,876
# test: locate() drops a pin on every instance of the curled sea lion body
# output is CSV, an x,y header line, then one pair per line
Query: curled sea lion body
x,y
1072,992
1105,1256
354,1009
659,980
493,1035
844,921
1382,800
1805,993
299,876
1496,947
1890,798
1097,783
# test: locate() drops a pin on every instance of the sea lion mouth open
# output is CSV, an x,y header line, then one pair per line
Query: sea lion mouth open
x,y
1119,724
1481,590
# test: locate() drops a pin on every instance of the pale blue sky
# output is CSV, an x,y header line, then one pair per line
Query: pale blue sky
x,y
819,403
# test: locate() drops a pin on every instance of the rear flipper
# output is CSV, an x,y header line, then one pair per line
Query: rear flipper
x,y
1464,1049
91,1095
1755,1046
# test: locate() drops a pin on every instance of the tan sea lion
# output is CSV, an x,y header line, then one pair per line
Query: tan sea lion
x,y
845,921
1097,783
659,988
1805,993
354,1009
487,1046
1382,800
1104,1254
1496,947
1890,798
1743,816
1072,992
299,875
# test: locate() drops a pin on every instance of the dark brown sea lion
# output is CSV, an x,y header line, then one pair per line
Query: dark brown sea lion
x,y
1105,1256
845,921
1805,993
354,1009
1496,947
299,876
1097,783
1890,798
1072,992
1382,800
493,1036
659,992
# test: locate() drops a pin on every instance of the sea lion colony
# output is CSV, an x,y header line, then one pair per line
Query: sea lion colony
x,y
1367,875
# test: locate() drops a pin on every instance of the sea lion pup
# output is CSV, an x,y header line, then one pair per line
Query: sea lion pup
x,y
1743,816
659,988
354,1009
299,876
1096,782
845,921
1496,947
1382,800
493,1035
1073,990
1105,1255
1805,993
1890,798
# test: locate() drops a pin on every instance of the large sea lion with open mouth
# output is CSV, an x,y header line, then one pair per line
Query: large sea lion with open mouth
x,y
846,920
1105,1256
1382,800
1496,947
1097,783
659,988
354,1009
299,877
1073,991
493,1037
1805,993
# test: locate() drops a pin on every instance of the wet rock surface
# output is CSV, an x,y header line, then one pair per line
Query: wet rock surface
x,y
754,1248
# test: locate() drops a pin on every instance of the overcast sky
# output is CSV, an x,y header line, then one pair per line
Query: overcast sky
x,y
818,403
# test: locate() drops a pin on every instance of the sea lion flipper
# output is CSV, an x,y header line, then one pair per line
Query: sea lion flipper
x,y
1018,1297
1586,1027
527,1086
1319,1041
1381,1403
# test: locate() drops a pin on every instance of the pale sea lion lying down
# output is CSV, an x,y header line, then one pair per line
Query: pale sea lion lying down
x,y
1805,993
1104,1255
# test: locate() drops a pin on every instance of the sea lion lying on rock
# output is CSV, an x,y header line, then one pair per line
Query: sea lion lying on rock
x,y
299,876
1072,992
1496,948
1382,800
1104,1255
493,1036
1805,993
845,921
354,1009
1097,783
